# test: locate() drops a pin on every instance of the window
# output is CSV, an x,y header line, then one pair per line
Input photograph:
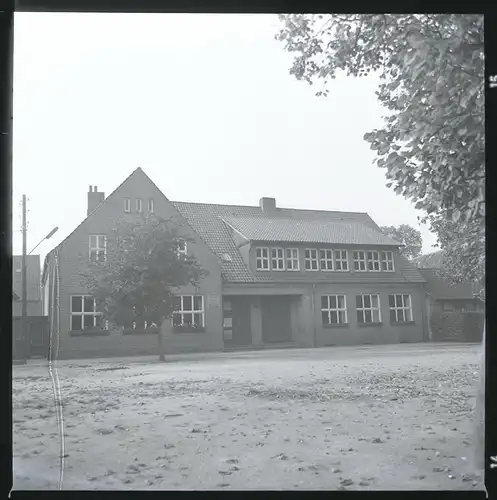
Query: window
x,y
151,205
368,309
373,261
189,311
334,309
326,260
400,308
84,314
359,261
341,260
387,261
292,259
182,248
98,247
262,259
127,205
139,205
311,259
277,260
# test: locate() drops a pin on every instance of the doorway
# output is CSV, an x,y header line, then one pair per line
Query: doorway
x,y
276,319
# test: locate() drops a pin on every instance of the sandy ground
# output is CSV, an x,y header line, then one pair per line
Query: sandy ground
x,y
389,417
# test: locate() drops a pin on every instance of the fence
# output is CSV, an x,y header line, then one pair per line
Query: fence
x,y
37,333
457,326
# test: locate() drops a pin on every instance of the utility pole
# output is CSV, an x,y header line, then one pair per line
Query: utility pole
x,y
24,319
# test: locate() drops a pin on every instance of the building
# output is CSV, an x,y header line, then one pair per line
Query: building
x,y
277,277
454,311
33,280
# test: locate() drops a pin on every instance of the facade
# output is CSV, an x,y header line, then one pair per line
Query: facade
x,y
33,279
276,277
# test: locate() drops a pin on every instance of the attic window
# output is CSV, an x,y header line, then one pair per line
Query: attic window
x,y
181,248
151,205
127,205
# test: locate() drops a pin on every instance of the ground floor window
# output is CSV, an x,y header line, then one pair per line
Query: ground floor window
x,y
368,309
189,311
400,308
85,315
334,309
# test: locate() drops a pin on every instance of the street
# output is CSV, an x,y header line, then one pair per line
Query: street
x,y
376,417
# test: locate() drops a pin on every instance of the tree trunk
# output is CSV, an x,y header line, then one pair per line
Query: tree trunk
x,y
479,447
160,337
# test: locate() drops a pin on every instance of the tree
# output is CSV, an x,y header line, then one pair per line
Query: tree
x,y
432,142
463,247
142,271
432,72
408,236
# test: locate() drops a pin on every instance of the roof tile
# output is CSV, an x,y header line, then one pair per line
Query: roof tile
x,y
308,231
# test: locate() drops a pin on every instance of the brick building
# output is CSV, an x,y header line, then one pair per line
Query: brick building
x,y
277,277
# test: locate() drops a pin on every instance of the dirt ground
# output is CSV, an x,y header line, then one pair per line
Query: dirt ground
x,y
384,417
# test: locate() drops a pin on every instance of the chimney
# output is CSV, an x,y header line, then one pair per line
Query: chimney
x,y
268,205
94,199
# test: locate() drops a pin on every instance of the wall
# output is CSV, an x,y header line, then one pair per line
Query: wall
x,y
306,320
74,259
380,334
256,321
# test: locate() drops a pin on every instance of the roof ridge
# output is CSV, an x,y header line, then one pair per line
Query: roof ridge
x,y
228,205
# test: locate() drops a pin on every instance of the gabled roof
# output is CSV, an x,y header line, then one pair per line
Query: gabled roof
x,y
439,288
208,221
278,229
432,260
138,171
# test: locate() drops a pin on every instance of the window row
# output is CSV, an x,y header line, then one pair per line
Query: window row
x,y
138,205
287,259
98,248
368,309
188,312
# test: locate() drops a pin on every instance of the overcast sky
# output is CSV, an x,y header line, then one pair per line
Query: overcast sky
x,y
203,103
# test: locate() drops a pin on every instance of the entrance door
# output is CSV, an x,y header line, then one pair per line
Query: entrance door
x,y
276,319
239,312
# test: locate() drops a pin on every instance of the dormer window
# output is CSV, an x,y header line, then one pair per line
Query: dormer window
x,y
311,259
262,259
277,260
127,205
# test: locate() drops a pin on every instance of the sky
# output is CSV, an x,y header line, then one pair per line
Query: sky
x,y
203,103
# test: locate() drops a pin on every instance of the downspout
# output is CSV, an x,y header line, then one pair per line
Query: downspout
x,y
314,314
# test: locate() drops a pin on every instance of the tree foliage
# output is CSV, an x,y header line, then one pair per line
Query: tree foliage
x,y
411,239
463,247
141,273
432,85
